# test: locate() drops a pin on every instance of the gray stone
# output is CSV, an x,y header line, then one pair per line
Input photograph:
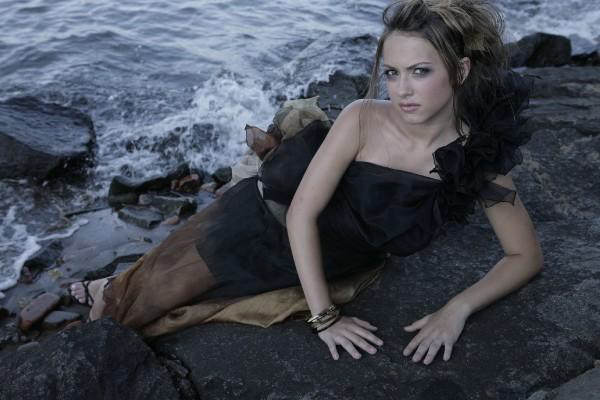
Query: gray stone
x,y
57,319
140,216
124,190
37,309
584,387
91,361
168,205
38,139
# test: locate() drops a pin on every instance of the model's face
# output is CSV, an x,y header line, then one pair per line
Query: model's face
x,y
415,74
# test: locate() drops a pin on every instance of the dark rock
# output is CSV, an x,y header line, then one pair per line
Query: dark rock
x,y
124,190
37,309
540,50
539,336
28,346
58,319
169,206
584,387
179,374
222,175
90,361
210,187
140,216
26,276
587,59
340,90
38,139
352,56
45,258
188,184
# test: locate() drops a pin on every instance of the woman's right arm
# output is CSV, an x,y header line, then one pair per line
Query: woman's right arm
x,y
316,188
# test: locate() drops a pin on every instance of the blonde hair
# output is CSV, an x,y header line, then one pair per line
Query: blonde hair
x,y
456,29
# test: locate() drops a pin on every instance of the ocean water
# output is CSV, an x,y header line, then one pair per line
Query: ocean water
x,y
151,71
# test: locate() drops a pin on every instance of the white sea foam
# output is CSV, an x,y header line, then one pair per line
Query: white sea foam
x,y
17,245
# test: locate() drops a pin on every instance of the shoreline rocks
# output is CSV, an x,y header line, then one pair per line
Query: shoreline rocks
x,y
39,140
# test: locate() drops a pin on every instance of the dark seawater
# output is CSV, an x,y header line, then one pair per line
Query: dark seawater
x,y
144,69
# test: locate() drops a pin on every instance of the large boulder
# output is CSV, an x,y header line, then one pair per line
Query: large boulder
x,y
38,139
100,360
540,50
538,337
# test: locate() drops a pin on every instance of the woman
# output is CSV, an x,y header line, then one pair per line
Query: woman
x,y
362,189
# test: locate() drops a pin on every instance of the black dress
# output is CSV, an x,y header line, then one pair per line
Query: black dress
x,y
375,211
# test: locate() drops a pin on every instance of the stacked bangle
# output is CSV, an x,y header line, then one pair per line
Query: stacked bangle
x,y
325,318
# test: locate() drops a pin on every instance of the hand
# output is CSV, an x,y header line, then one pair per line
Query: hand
x,y
348,332
442,327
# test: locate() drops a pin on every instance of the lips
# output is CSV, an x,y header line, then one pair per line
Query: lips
x,y
409,106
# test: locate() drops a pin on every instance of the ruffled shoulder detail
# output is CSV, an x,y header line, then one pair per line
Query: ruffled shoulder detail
x,y
492,148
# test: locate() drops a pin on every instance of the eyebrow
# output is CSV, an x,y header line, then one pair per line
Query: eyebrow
x,y
412,66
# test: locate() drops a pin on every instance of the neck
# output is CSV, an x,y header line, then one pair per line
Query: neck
x,y
429,133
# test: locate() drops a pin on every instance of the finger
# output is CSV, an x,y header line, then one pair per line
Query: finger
x,y
366,334
433,350
417,324
447,351
413,344
361,343
364,323
421,350
346,344
333,349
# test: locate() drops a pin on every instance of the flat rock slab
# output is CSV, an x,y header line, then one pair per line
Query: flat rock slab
x,y
538,337
57,319
37,137
37,309
81,363
584,387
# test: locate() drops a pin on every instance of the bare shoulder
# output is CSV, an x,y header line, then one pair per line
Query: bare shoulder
x,y
329,163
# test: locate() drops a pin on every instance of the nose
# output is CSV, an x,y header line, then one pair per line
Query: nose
x,y
403,86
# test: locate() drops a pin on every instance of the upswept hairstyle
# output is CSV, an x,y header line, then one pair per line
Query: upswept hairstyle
x,y
456,29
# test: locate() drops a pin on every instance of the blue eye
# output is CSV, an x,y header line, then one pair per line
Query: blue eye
x,y
386,74
424,71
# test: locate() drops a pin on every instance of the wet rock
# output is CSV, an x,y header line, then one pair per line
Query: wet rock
x,y
57,319
45,258
174,220
222,175
37,309
169,206
26,276
340,90
187,184
540,50
125,190
210,187
101,358
587,59
40,139
140,216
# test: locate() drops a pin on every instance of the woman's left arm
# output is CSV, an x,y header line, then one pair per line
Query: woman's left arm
x,y
522,260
